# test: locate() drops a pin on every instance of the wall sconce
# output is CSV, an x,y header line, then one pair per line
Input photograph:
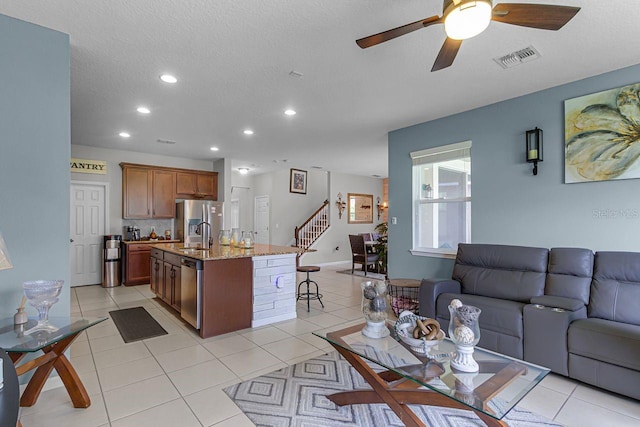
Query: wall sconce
x,y
381,207
534,148
341,204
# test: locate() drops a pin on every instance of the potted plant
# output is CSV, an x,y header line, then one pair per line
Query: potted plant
x,y
381,246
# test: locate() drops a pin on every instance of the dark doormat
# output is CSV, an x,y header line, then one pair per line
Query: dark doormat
x,y
135,324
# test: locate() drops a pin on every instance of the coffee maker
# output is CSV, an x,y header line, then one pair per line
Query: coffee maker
x,y
133,233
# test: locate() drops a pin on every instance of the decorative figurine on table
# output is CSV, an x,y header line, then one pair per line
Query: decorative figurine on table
x,y
375,309
464,331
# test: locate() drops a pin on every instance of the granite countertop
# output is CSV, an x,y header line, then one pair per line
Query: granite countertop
x,y
217,252
131,242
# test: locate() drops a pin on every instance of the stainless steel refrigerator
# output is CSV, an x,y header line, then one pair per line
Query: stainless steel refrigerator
x,y
191,213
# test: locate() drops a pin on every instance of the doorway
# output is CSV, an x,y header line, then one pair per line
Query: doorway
x,y
261,219
89,220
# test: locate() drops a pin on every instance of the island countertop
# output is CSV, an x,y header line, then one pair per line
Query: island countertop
x,y
218,252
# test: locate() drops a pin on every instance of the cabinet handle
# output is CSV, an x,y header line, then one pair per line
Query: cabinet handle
x,y
173,273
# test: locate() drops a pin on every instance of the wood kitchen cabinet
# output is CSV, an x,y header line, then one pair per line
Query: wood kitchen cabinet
x,y
157,271
166,277
197,185
136,192
164,200
147,192
151,191
137,264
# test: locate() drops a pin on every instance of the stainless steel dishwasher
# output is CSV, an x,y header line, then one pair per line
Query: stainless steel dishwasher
x,y
190,290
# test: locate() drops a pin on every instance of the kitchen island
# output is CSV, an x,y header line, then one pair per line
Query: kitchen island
x,y
225,289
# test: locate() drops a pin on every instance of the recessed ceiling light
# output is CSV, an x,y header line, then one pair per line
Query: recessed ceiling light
x,y
168,78
124,134
243,171
214,148
247,132
143,110
290,112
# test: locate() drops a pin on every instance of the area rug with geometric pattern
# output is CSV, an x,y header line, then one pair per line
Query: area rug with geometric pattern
x,y
295,396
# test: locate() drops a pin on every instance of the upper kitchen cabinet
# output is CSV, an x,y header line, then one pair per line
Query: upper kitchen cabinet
x,y
136,192
147,192
197,185
164,200
151,191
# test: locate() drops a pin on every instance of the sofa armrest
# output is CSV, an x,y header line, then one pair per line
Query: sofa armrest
x,y
569,304
545,334
430,289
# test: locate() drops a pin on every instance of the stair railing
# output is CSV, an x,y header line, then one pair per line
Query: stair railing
x,y
313,227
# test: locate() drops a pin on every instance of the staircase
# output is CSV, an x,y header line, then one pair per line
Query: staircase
x,y
312,228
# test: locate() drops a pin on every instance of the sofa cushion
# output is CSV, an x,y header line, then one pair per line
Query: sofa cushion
x,y
607,341
615,290
514,273
569,273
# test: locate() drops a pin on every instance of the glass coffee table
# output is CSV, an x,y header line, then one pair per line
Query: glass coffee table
x,y
53,345
400,376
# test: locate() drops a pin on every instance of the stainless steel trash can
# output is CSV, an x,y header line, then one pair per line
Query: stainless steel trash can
x,y
112,268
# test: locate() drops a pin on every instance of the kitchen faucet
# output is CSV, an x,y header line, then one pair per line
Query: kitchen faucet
x,y
206,238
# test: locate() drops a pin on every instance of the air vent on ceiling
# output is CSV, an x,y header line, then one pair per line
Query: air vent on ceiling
x,y
164,141
518,57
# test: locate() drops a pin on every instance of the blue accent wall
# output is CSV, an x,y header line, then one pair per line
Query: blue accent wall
x,y
34,159
509,204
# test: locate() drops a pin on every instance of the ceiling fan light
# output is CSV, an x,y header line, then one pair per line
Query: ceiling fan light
x,y
467,18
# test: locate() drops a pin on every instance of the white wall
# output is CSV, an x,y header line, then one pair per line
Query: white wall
x,y
114,176
338,234
288,210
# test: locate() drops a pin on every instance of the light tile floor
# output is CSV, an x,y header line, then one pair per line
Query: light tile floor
x,y
177,379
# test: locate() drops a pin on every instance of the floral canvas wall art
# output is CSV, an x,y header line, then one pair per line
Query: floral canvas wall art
x,y
602,135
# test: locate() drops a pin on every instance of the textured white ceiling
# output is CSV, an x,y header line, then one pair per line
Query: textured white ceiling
x,y
233,58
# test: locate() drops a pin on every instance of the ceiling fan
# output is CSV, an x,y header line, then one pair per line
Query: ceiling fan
x,y
464,19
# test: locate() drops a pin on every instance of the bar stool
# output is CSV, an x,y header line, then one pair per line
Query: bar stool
x,y
309,295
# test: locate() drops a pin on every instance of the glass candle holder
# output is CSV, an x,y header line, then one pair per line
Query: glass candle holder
x,y
375,307
464,331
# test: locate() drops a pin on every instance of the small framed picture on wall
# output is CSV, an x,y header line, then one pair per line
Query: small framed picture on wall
x,y
298,181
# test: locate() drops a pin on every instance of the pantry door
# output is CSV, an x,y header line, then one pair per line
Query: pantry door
x,y
88,222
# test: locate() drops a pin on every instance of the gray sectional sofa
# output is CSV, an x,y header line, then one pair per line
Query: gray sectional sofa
x,y
564,308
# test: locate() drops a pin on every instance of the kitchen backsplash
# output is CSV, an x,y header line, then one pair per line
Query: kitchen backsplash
x,y
146,225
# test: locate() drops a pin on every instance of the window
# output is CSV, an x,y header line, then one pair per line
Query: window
x,y
441,198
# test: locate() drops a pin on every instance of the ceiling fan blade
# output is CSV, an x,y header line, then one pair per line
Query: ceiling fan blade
x,y
384,36
543,16
447,54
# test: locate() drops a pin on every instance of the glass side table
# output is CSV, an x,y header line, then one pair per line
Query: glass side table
x,y
53,345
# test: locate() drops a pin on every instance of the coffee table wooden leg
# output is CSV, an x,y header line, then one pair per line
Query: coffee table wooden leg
x,y
381,389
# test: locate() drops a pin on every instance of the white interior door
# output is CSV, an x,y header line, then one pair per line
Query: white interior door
x,y
88,223
261,219
234,221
